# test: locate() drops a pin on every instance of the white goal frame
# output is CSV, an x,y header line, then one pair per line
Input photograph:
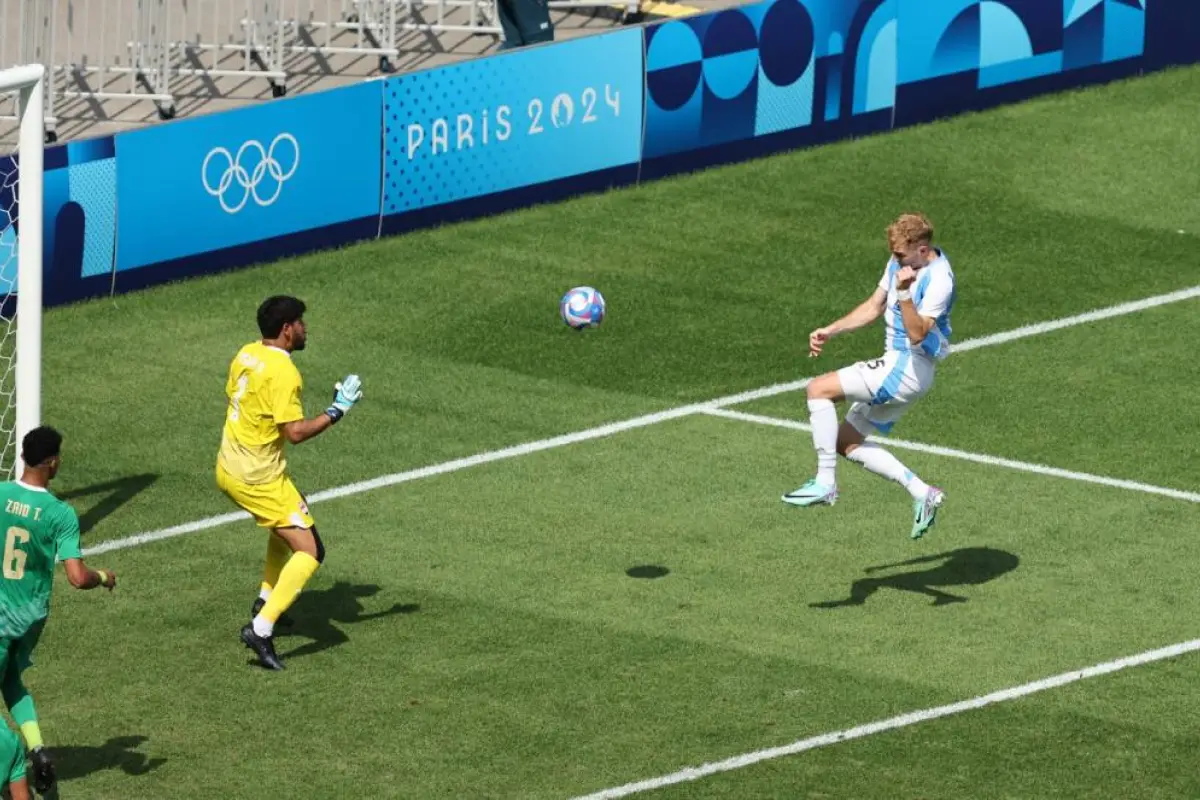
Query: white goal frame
x,y
30,81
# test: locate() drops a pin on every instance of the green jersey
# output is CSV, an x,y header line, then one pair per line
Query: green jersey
x,y
12,758
38,530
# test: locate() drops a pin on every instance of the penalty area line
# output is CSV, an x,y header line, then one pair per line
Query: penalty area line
x,y
978,458
612,428
892,723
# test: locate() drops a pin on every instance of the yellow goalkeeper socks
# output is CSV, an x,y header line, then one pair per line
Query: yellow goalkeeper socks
x,y
296,572
277,555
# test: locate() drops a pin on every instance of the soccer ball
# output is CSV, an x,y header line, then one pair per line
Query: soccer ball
x,y
582,307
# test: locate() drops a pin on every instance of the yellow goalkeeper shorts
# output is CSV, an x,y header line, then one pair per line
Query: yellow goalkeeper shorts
x,y
277,504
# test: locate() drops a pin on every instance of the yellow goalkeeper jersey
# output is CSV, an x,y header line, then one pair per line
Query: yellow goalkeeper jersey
x,y
264,393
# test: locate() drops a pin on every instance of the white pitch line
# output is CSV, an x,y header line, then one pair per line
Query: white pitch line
x,y
902,721
631,424
978,458
410,475
1024,332
1079,319
166,533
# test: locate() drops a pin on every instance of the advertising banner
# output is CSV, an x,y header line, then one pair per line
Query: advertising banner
x,y
777,66
272,179
967,54
268,170
79,217
512,120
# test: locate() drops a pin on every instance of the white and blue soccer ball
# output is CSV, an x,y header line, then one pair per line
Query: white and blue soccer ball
x,y
582,307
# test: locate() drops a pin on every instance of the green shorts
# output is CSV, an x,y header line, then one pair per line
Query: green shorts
x,y
19,651
12,758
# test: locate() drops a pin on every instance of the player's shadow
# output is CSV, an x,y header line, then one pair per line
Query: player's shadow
x,y
315,613
116,494
967,566
119,752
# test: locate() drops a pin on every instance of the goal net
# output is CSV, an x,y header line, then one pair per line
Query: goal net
x,y
21,170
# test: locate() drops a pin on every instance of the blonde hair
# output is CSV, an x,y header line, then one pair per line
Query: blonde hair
x,y
909,230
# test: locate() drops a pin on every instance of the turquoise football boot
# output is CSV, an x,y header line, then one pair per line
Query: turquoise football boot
x,y
812,494
925,511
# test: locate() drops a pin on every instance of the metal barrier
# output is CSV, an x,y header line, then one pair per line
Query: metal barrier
x,y
91,50
97,55
377,25
162,51
212,29
24,39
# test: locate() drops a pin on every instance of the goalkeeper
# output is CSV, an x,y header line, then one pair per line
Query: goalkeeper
x,y
264,409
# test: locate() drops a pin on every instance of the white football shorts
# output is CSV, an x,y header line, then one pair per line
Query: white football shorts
x,y
882,389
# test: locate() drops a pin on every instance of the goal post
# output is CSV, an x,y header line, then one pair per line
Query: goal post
x,y
21,241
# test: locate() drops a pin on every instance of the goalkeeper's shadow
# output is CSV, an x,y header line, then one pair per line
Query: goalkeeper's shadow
x,y
316,611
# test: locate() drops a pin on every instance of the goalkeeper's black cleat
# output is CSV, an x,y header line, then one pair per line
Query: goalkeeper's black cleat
x,y
43,770
263,647
284,620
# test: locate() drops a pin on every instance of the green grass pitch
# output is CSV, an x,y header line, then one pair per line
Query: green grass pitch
x,y
476,634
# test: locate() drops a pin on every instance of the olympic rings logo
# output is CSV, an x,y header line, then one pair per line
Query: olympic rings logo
x,y
249,177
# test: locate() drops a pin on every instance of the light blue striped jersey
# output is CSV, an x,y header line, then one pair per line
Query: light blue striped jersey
x,y
933,295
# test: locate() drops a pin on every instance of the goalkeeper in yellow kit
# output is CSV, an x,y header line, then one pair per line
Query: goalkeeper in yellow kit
x,y
264,410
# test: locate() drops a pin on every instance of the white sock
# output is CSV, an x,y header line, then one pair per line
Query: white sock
x,y
881,462
822,415
262,627
264,594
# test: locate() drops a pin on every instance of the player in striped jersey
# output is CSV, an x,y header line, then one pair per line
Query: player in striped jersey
x,y
915,297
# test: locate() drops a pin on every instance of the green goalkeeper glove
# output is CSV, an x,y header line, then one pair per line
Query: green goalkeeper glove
x,y
346,393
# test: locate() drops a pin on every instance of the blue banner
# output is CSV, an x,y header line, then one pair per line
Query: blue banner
x,y
213,182
761,69
512,120
79,217
490,134
1015,40
9,221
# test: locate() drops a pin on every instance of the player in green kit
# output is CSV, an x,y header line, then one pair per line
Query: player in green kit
x,y
12,766
38,529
